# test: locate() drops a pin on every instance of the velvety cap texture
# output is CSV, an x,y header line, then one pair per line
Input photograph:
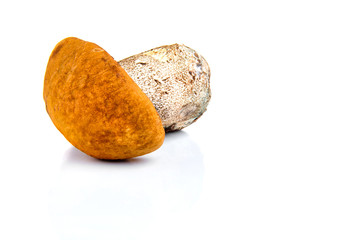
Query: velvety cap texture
x,y
96,105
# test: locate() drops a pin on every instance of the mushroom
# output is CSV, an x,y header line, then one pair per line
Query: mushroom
x,y
96,105
176,79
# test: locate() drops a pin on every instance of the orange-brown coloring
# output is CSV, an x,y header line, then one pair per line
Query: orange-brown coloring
x,y
95,104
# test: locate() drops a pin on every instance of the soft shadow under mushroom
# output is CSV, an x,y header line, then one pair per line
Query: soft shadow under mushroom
x,y
126,199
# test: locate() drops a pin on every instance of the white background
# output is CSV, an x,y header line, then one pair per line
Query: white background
x,y
276,156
